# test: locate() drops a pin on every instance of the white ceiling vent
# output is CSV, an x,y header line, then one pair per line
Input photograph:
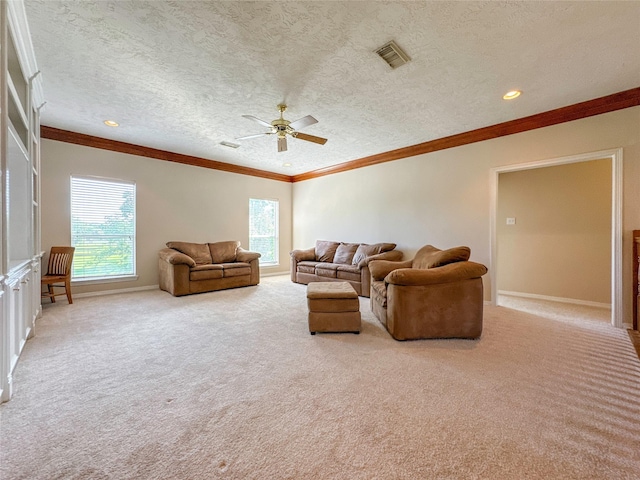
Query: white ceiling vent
x,y
392,54
229,144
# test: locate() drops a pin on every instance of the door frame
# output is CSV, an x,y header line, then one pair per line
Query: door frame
x,y
615,155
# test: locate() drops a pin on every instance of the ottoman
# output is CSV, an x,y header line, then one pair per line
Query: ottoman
x,y
333,307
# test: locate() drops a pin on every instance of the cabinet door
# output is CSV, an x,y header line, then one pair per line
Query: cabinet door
x,y
19,204
5,393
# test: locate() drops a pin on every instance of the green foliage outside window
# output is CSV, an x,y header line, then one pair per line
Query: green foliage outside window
x,y
263,229
102,228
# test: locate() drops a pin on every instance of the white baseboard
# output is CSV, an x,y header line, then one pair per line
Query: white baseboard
x,y
555,299
113,292
273,274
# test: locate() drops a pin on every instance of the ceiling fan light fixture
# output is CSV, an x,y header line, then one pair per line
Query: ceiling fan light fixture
x,y
511,95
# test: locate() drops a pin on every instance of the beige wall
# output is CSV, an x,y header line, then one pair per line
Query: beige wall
x,y
174,202
443,198
560,245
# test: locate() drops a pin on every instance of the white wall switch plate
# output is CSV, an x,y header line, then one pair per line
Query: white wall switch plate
x,y
511,220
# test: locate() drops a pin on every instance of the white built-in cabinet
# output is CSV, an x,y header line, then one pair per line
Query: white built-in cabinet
x,y
20,255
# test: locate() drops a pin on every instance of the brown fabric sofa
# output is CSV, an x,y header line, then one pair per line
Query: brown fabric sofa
x,y
438,294
187,268
340,262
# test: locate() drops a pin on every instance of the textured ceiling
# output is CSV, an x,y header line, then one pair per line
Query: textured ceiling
x,y
178,75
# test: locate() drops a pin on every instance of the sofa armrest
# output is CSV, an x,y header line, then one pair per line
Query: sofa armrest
x,y
246,256
381,268
174,257
304,255
300,256
452,272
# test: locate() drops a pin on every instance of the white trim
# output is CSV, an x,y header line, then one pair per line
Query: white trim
x,y
273,274
114,292
99,280
19,30
615,155
573,301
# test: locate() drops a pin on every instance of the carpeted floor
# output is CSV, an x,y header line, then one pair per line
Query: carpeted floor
x,y
231,385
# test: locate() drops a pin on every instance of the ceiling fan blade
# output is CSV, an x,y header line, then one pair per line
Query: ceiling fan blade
x,y
255,119
310,138
254,136
282,144
303,122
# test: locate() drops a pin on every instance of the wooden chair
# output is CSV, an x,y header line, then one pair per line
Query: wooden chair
x,y
58,271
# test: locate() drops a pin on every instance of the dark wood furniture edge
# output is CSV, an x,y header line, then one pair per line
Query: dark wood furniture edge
x,y
609,103
634,335
636,279
67,136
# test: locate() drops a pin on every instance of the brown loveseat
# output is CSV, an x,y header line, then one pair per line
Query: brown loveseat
x,y
340,262
187,268
438,294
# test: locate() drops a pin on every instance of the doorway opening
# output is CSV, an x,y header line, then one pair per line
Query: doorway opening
x,y
615,157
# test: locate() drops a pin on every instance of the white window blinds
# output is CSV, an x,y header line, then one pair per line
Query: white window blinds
x,y
263,229
103,228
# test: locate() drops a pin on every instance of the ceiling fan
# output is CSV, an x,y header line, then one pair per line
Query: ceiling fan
x,y
282,128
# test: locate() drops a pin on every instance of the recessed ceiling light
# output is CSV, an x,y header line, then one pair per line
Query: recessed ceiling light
x,y
286,164
512,94
111,123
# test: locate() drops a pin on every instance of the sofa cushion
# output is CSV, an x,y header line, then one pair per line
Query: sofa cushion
x,y
348,268
430,256
229,266
349,272
224,252
385,247
205,272
307,267
198,251
363,251
324,269
344,253
325,250
236,269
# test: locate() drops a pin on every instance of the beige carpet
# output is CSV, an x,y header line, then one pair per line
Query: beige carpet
x,y
231,385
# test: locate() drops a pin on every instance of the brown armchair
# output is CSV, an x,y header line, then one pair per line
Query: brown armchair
x,y
438,294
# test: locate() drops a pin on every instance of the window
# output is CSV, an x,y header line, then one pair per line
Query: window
x,y
103,228
263,229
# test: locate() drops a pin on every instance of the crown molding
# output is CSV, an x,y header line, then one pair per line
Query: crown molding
x,y
597,106
66,136
609,103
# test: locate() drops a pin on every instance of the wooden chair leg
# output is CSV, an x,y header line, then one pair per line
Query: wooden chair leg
x,y
53,297
67,288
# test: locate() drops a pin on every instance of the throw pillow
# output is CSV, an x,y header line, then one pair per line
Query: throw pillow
x,y
325,250
224,252
363,251
198,251
430,256
344,253
385,247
